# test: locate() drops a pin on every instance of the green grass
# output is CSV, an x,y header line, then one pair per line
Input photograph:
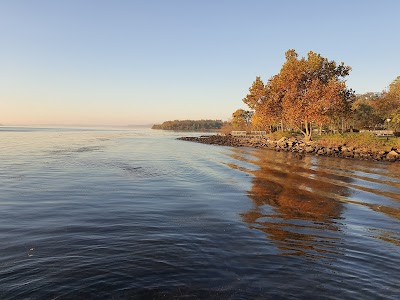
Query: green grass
x,y
359,140
277,135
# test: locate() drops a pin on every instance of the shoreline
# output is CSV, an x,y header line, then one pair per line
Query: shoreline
x,y
298,146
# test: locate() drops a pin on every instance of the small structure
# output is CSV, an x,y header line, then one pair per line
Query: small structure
x,y
256,133
239,133
380,132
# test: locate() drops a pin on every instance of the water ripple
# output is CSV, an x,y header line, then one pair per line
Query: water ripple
x,y
136,214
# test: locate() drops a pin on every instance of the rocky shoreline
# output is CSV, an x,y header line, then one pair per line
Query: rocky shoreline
x,y
297,146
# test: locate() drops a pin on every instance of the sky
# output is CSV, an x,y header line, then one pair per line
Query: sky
x,y
98,62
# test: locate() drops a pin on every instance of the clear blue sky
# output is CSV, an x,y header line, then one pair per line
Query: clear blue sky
x,y
137,62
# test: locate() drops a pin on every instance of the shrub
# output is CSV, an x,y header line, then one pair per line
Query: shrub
x,y
393,142
277,135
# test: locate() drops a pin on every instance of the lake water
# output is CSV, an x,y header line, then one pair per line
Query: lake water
x,y
137,214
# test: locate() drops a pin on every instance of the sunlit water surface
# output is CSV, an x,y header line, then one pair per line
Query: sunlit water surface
x,y
137,214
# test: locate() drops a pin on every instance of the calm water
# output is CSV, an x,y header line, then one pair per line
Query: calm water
x,y
136,214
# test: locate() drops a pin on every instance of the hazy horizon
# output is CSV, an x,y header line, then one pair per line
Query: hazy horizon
x,y
77,125
131,62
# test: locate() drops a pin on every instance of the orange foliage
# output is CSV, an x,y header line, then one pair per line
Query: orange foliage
x,y
306,90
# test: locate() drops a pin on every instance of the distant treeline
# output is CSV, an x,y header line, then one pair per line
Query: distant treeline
x,y
190,125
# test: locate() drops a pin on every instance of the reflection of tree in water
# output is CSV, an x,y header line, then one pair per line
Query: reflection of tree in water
x,y
290,209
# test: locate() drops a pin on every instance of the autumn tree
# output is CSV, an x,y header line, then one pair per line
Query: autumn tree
x,y
306,91
314,90
388,105
256,94
394,88
265,100
395,121
241,119
226,127
260,120
364,113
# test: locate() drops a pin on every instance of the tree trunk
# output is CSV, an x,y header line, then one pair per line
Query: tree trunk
x,y
307,132
342,125
307,136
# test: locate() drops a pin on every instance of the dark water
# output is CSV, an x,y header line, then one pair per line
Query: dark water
x,y
136,214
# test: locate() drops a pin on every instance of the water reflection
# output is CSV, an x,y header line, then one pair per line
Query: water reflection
x,y
299,203
288,208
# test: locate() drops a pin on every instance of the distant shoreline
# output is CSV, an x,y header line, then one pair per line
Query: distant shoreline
x,y
188,130
190,125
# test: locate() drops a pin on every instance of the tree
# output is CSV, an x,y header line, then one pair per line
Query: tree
x,y
394,88
364,113
395,121
389,103
314,91
365,116
394,98
305,91
256,94
265,100
189,125
241,119
260,121
226,127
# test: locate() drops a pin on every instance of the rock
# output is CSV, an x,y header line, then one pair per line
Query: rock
x,y
348,154
378,155
282,140
309,149
298,146
392,156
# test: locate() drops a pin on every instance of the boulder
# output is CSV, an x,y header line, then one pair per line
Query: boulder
x,y
309,149
348,154
392,156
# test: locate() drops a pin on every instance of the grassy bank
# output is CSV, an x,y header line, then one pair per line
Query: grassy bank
x,y
359,141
